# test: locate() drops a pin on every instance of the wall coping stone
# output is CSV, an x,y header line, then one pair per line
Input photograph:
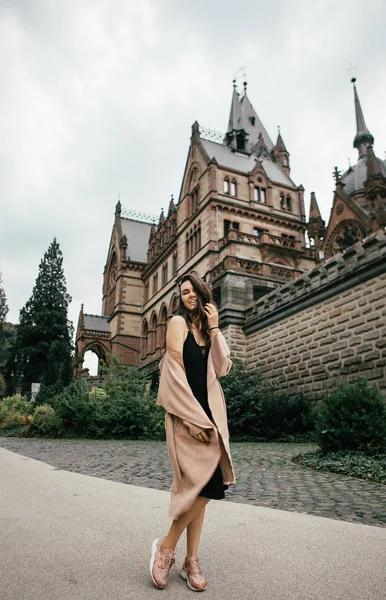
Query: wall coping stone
x,y
359,263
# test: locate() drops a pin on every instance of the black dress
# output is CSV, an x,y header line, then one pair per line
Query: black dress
x,y
195,362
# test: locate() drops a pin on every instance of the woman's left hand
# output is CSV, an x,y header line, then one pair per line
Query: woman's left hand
x,y
212,314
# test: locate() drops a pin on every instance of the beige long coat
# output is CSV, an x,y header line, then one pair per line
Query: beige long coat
x,y
193,462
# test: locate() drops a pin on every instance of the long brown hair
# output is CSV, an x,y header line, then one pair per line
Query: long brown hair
x,y
204,296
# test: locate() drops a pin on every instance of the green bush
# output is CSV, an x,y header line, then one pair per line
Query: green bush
x,y
45,421
122,408
352,417
257,410
73,408
18,403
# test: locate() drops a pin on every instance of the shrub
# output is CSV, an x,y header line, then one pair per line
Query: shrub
x,y
352,417
256,409
18,403
45,421
73,407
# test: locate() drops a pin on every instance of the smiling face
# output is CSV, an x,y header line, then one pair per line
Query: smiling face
x,y
188,295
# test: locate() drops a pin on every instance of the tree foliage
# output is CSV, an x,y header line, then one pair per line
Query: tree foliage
x,y
3,302
352,416
43,349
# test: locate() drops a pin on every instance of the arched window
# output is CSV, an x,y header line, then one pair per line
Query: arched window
x,y
233,188
145,333
163,315
289,203
174,264
146,292
152,334
282,201
263,196
164,274
155,283
226,185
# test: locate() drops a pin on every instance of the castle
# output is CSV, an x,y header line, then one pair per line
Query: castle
x,y
240,222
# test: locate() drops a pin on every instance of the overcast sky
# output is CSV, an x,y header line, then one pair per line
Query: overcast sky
x,y
97,98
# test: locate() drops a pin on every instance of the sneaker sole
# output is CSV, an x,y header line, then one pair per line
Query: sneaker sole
x,y
152,558
184,576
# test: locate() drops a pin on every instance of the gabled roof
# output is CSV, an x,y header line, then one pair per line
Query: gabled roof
x,y
245,163
96,323
137,234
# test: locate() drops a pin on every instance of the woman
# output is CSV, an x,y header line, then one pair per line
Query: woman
x,y
196,426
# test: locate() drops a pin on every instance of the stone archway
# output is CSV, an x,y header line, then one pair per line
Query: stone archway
x,y
99,351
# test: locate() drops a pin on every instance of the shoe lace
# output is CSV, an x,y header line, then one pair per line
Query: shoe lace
x,y
194,566
165,560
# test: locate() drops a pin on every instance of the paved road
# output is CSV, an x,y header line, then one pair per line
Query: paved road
x,y
66,536
266,476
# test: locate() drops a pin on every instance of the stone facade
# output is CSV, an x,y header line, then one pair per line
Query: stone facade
x,y
329,324
240,223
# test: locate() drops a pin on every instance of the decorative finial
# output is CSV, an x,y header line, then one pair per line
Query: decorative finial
x,y
349,163
278,129
172,198
82,306
353,80
245,86
234,83
337,174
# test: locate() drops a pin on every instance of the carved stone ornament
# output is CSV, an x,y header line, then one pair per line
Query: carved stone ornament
x,y
347,235
339,208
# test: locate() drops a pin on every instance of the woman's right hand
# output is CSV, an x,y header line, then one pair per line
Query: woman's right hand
x,y
202,437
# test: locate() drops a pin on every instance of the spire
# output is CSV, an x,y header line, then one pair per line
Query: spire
x,y
161,218
363,138
316,227
314,208
280,145
373,166
281,153
172,206
235,114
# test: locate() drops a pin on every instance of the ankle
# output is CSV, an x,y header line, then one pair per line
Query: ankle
x,y
166,544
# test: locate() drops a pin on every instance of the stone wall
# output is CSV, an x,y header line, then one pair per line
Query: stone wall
x,y
327,325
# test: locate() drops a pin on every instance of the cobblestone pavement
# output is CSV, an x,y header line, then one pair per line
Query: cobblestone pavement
x,y
265,474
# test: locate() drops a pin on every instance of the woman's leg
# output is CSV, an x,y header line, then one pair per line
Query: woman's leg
x,y
193,533
178,526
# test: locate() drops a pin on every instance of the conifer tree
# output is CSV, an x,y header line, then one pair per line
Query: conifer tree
x,y
3,303
43,348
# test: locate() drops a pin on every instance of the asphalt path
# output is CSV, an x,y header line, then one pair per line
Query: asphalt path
x,y
69,536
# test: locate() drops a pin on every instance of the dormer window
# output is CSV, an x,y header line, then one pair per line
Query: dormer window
x,y
240,141
289,203
226,185
260,194
252,120
233,188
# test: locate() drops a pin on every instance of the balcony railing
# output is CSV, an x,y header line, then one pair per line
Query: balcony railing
x,y
262,239
96,334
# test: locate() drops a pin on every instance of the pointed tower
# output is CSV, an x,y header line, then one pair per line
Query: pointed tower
x,y
236,136
281,154
375,186
363,138
316,226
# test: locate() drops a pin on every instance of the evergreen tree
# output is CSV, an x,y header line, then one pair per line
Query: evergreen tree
x,y
3,303
43,348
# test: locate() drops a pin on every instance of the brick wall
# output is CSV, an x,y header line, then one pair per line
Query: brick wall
x,y
330,324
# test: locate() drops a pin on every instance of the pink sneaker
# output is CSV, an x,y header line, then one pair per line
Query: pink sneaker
x,y
161,561
195,578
